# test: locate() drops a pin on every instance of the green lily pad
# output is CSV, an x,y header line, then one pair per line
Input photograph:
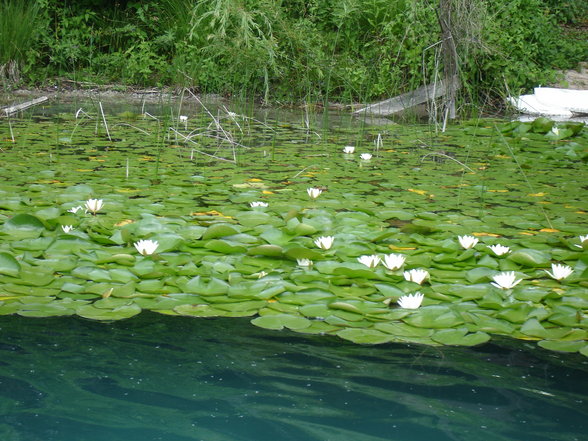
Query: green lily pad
x,y
365,336
219,230
119,313
23,226
460,337
402,329
198,285
225,246
563,346
266,250
530,257
9,265
298,252
199,310
281,321
434,316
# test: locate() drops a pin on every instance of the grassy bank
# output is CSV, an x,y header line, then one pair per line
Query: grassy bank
x,y
290,51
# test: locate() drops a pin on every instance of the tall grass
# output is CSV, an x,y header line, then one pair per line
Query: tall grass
x,y
18,29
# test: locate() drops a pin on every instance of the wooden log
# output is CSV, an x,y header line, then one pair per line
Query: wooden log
x,y
406,100
13,109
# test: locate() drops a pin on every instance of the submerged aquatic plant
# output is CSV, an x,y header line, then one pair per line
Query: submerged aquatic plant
x,y
467,242
393,261
94,205
499,250
146,247
416,275
411,301
370,261
324,242
505,280
559,271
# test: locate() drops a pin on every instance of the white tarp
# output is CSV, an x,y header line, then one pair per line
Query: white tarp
x,y
552,102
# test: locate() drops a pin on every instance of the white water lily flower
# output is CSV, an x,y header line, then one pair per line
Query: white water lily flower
x,y
505,280
314,192
370,261
555,130
366,156
258,204
348,149
146,247
499,250
183,118
582,240
411,301
393,261
67,228
94,205
416,275
467,241
304,263
559,272
74,210
324,242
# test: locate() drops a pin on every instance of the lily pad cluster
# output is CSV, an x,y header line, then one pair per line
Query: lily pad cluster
x,y
313,259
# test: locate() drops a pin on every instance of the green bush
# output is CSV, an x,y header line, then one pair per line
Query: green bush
x,y
316,50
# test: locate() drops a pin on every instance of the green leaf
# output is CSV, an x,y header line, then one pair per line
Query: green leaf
x,y
199,310
460,337
281,321
219,230
266,250
365,336
402,329
56,308
563,346
121,312
434,316
480,274
298,252
530,257
24,222
197,285
225,247
9,265
466,292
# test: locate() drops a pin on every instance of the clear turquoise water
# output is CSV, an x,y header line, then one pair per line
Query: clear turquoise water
x,y
155,377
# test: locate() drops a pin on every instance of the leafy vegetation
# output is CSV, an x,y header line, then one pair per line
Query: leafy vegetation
x,y
172,225
317,50
18,21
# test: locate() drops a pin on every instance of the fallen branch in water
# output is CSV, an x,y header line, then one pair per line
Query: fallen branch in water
x,y
13,109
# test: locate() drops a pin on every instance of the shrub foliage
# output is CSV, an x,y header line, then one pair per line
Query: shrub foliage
x,y
290,50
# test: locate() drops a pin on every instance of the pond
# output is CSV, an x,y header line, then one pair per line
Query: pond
x,y
241,233
156,377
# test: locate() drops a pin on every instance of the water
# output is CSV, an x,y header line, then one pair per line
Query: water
x,y
155,377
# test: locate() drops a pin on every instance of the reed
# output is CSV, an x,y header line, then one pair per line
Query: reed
x,y
18,31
